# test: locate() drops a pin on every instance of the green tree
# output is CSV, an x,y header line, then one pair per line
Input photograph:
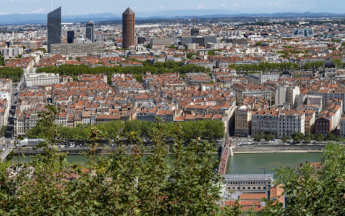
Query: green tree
x,y
2,61
190,55
118,184
3,130
338,63
268,137
285,138
307,139
319,137
258,138
11,73
310,135
297,136
312,192
330,137
43,49
258,43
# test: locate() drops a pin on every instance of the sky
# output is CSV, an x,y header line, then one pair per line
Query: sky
x,y
146,7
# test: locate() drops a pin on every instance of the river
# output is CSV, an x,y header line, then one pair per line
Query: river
x,y
239,163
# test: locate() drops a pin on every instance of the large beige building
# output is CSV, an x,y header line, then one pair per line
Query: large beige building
x,y
287,94
310,117
291,121
262,78
250,90
265,122
243,121
281,123
81,49
41,79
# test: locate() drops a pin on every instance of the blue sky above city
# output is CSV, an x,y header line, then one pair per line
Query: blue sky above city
x,y
145,7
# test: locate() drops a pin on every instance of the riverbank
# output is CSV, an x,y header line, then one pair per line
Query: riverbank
x,y
81,150
272,152
257,149
237,164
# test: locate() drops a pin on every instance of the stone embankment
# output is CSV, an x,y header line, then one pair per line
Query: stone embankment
x,y
279,148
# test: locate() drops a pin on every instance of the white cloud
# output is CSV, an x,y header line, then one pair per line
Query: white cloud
x,y
223,5
235,5
4,13
37,11
201,6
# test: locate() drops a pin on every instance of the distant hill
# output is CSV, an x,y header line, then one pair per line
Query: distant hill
x,y
42,18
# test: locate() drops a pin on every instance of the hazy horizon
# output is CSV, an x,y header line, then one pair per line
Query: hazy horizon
x,y
144,8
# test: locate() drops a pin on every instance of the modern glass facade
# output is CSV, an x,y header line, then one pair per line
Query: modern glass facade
x,y
54,27
70,36
90,31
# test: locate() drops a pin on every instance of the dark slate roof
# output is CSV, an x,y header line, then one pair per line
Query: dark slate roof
x,y
329,64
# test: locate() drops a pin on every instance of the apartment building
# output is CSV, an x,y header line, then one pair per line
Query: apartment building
x,y
291,121
265,121
323,125
262,78
288,94
197,78
310,117
329,119
327,94
315,108
248,183
243,121
147,115
41,79
251,90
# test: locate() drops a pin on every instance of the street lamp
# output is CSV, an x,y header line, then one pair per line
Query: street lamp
x,y
263,169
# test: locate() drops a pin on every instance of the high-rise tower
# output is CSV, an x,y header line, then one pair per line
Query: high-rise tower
x,y
195,31
54,27
90,31
70,36
128,28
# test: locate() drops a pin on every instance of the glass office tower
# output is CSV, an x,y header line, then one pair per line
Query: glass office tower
x,y
54,27
90,31
70,36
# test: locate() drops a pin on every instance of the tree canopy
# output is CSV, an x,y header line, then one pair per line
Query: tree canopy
x,y
311,191
117,184
2,62
157,68
11,73
206,129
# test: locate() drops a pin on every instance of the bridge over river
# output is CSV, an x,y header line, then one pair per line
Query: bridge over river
x,y
227,151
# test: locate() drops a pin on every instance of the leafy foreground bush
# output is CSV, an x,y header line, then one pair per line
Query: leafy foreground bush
x,y
311,191
120,184
117,184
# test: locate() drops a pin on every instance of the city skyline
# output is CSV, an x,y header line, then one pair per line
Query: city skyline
x,y
154,6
